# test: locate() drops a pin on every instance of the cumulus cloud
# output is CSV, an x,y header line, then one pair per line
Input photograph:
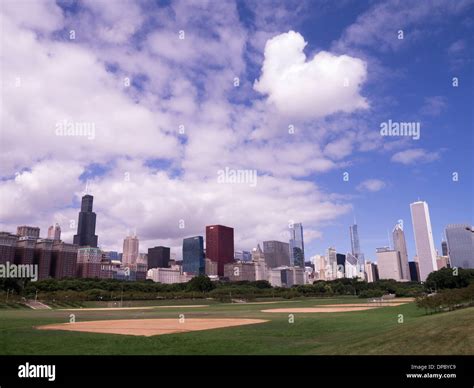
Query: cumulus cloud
x,y
415,155
319,87
371,185
36,192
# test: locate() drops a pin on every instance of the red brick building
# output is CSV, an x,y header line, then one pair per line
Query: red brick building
x,y
7,247
63,260
42,257
25,250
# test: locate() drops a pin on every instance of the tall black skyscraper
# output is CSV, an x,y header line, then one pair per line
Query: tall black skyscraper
x,y
86,225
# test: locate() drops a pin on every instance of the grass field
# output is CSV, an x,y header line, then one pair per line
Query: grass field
x,y
375,331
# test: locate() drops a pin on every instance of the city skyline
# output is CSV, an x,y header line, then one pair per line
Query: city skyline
x,y
159,151
293,246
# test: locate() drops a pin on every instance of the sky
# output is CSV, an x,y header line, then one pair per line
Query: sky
x,y
151,106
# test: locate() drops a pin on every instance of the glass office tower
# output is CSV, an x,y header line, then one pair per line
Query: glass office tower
x,y
193,255
297,245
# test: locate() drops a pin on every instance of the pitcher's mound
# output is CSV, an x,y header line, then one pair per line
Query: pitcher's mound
x,y
149,327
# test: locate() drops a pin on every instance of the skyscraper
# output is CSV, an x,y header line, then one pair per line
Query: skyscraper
x,y
220,245
86,225
277,254
331,264
460,245
193,255
158,257
388,264
54,232
414,271
297,245
400,245
130,250
258,257
355,244
424,243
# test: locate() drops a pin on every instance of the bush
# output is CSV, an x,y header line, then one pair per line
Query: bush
x,y
448,299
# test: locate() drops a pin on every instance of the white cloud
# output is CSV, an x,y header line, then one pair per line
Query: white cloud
x,y
340,148
371,185
415,155
35,193
324,85
47,82
378,27
42,16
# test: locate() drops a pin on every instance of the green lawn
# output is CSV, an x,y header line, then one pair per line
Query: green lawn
x,y
365,332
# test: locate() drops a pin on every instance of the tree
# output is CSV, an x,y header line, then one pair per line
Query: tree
x,y
449,278
200,283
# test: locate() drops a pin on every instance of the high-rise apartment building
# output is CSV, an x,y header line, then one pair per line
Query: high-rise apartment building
x,y
297,246
277,254
460,245
193,255
86,236
400,245
425,249
220,245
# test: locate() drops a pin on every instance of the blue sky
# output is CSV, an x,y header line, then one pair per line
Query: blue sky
x,y
167,116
